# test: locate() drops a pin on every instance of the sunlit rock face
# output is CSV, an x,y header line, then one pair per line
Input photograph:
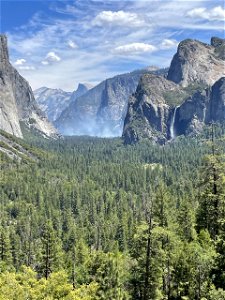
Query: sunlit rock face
x,y
17,102
198,62
52,101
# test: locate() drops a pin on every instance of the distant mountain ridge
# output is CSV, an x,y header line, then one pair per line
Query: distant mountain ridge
x,y
80,91
101,110
184,101
54,101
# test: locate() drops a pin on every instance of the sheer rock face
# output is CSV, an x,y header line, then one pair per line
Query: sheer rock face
x,y
193,114
9,117
101,110
148,111
217,101
202,108
161,108
17,101
153,119
198,62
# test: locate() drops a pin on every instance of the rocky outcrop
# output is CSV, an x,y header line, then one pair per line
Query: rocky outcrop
x,y
191,115
202,108
197,62
101,111
149,110
9,116
162,109
17,103
160,121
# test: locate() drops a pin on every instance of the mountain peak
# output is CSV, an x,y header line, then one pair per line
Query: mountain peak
x,y
83,87
81,90
191,62
216,42
4,54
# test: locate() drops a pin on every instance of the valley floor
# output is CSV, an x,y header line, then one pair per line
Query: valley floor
x,y
88,218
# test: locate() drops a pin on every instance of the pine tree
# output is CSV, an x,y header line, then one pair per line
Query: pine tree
x,y
5,249
51,256
211,211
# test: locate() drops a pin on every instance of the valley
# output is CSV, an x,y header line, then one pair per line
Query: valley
x,y
114,189
89,200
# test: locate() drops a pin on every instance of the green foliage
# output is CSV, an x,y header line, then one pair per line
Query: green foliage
x,y
110,272
175,98
75,221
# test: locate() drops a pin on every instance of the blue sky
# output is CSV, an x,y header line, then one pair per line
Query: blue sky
x,y
61,43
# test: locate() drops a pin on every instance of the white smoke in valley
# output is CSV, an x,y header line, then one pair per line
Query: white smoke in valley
x,y
93,128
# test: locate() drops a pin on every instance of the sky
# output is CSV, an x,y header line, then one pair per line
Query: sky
x,y
60,43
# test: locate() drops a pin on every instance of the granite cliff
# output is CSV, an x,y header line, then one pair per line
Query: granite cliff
x,y
17,102
191,96
201,108
198,62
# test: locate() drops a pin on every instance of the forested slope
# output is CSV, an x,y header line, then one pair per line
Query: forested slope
x,y
93,219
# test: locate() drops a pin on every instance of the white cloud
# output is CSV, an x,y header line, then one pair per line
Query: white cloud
x,y
20,62
72,44
215,14
44,62
135,48
118,18
27,68
168,44
21,65
115,26
51,57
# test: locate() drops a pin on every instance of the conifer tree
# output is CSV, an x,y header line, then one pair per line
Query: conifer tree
x,y
51,256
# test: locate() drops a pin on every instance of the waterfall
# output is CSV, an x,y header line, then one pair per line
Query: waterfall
x,y
172,125
204,114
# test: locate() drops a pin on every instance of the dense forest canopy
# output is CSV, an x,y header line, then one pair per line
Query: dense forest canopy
x,y
89,218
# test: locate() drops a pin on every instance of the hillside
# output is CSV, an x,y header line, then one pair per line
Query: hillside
x,y
15,150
